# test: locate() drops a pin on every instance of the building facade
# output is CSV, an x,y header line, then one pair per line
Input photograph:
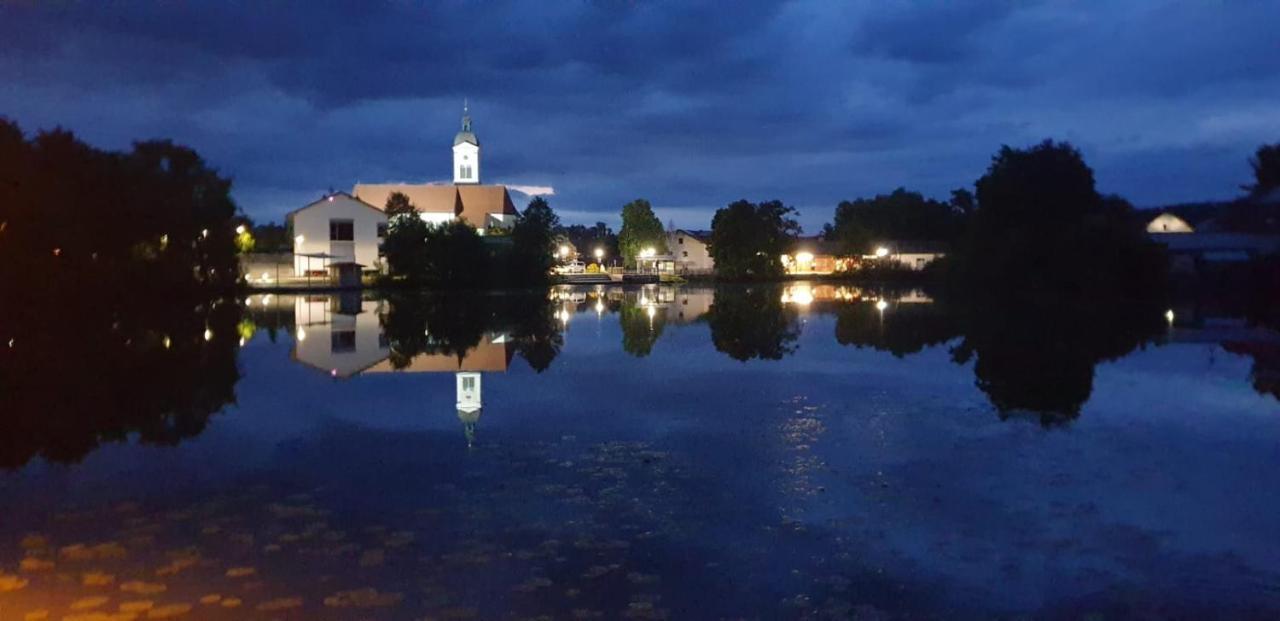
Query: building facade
x,y
691,252
338,228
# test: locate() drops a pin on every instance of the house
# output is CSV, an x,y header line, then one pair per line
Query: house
x,y
691,251
912,254
484,207
815,255
339,228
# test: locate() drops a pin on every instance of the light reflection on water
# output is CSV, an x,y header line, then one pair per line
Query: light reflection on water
x,y
808,451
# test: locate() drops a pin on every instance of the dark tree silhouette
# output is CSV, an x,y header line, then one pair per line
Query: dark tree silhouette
x,y
641,229
1266,169
532,256
748,239
398,204
901,215
642,325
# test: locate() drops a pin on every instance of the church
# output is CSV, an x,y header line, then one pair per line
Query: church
x,y
347,229
481,206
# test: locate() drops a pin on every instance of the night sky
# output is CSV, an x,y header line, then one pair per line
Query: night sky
x,y
691,105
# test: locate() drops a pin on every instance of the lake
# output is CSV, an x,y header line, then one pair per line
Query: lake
x,y
799,451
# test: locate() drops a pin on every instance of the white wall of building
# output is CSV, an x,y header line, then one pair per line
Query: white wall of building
x,y
342,344
466,158
690,253
311,232
436,217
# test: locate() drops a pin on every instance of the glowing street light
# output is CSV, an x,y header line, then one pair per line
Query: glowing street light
x,y
299,239
599,254
564,251
1168,316
881,305
882,252
240,230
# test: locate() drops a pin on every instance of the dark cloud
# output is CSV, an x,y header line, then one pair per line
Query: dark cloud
x,y
691,104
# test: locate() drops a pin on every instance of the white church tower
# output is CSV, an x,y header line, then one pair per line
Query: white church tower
x,y
466,152
469,404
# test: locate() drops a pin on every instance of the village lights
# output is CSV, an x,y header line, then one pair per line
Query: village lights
x,y
804,257
208,334
240,230
882,252
647,252
599,254
881,305
1168,316
299,239
204,232
564,251
302,335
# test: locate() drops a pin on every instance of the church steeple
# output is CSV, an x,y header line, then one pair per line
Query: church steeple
x,y
466,151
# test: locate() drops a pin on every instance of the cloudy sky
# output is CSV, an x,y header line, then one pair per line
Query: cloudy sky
x,y
691,105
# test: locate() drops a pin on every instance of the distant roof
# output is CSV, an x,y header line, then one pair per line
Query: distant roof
x,y
701,235
471,202
486,356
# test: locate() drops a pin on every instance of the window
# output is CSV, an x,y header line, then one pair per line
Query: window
x,y
341,230
680,240
468,383
685,253
382,229
342,341
464,172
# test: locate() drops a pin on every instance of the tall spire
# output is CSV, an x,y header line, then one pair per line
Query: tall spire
x,y
466,115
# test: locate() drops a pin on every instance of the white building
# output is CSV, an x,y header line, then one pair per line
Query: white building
x,y
338,228
691,252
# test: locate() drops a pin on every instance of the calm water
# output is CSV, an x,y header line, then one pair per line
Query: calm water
x,y
660,452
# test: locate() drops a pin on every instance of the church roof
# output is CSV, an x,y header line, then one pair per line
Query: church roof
x,y
471,202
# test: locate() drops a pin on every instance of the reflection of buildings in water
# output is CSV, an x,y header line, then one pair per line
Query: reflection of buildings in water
x,y
338,334
806,294
342,336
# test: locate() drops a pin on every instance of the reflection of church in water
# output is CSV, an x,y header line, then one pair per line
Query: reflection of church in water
x,y
341,336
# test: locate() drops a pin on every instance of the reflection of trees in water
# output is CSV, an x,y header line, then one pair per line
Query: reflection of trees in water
x,y
642,324
75,378
455,323
752,322
1265,373
1041,358
899,329
1036,357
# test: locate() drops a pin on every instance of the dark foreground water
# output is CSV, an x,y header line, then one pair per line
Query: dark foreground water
x,y
645,453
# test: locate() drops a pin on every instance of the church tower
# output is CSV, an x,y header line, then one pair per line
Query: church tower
x,y
466,152
469,404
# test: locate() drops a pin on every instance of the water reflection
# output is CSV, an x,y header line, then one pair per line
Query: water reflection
x,y
72,379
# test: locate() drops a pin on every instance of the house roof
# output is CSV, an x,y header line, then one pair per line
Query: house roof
x,y
701,235
330,197
486,356
815,245
480,200
471,202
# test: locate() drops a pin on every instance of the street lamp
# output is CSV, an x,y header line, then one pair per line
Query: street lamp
x,y
564,251
599,254
882,252
240,230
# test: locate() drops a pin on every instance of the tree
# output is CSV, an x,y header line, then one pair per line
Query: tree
x,y
532,253
1041,228
1266,169
405,247
397,204
455,255
748,239
641,230
900,215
